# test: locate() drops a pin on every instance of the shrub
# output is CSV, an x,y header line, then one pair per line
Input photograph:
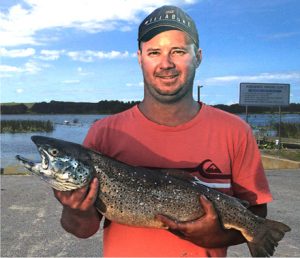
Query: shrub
x,y
26,126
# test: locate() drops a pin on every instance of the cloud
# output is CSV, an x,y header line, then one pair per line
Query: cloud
x,y
30,67
254,78
21,23
50,55
19,91
139,84
82,72
90,56
74,81
283,35
9,69
15,53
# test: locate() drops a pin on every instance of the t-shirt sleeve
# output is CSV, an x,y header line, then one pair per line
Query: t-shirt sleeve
x,y
249,179
90,138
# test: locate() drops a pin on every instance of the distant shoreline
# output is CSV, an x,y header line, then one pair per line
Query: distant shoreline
x,y
107,107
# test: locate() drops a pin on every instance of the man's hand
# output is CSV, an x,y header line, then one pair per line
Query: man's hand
x,y
79,216
205,232
81,200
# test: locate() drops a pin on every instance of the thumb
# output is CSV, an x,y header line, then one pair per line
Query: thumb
x,y
207,206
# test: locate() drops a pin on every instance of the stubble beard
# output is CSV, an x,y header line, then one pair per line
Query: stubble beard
x,y
169,97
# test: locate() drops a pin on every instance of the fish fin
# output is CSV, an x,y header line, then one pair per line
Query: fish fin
x,y
178,173
245,203
265,241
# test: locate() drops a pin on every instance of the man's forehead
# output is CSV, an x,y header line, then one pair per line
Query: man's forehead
x,y
171,38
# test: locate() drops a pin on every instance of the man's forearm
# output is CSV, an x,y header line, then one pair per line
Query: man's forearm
x,y
79,223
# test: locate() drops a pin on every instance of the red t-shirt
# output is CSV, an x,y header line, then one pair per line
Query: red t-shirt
x,y
220,148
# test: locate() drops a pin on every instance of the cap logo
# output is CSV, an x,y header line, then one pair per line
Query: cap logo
x,y
170,11
167,17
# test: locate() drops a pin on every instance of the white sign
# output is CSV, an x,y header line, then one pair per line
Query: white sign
x,y
264,94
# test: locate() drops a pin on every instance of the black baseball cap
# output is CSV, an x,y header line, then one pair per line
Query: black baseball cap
x,y
166,18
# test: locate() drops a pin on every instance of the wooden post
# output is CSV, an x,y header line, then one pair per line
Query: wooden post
x,y
199,87
279,129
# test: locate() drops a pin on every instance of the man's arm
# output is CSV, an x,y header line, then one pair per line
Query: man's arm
x,y
207,231
79,215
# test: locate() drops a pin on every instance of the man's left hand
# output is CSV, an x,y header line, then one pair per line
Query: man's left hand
x,y
204,232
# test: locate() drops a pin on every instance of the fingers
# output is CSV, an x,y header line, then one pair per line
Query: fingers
x,y
171,224
174,225
81,199
92,195
188,227
208,207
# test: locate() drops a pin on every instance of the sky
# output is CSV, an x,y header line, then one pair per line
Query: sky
x,y
85,50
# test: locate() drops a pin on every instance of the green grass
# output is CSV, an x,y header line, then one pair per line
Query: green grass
x,y
288,130
290,154
26,126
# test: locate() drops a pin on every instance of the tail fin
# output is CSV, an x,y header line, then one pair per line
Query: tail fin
x,y
265,241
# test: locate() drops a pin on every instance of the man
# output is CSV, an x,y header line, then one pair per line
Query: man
x,y
169,129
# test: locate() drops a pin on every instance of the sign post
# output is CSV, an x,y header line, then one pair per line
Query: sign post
x,y
199,87
265,94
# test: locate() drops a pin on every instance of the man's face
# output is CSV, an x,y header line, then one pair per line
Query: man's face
x,y
169,61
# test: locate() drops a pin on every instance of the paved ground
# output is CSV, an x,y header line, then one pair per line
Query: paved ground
x,y
30,219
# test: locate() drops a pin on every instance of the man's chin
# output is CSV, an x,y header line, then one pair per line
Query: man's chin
x,y
168,90
169,97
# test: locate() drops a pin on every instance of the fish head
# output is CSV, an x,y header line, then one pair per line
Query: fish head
x,y
65,165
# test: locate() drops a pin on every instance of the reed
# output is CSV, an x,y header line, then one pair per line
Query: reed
x,y
26,126
288,130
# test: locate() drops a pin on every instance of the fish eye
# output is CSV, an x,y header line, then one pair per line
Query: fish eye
x,y
53,152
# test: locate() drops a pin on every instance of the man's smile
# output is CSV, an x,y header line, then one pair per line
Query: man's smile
x,y
167,76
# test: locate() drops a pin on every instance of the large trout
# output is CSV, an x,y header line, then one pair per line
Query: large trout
x,y
135,195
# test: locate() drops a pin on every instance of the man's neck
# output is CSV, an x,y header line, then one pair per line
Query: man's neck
x,y
170,114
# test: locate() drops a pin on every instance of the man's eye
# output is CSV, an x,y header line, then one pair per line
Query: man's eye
x,y
178,52
153,53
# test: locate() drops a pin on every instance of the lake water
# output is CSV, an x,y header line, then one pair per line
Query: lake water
x,y
20,143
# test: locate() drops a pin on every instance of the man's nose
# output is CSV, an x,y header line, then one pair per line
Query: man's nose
x,y
166,62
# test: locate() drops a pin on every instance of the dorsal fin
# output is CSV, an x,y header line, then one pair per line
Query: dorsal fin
x,y
178,173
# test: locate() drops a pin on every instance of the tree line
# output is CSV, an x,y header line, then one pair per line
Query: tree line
x,y
61,107
115,106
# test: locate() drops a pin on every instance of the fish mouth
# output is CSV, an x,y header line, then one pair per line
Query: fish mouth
x,y
33,166
29,164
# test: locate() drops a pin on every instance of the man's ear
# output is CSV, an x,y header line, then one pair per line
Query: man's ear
x,y
139,54
199,56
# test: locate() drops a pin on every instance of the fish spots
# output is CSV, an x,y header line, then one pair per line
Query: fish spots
x,y
64,173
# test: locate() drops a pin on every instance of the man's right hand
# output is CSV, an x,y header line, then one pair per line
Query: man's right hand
x,y
79,216
82,199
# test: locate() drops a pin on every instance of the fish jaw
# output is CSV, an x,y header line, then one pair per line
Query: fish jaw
x,y
58,168
32,166
36,169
